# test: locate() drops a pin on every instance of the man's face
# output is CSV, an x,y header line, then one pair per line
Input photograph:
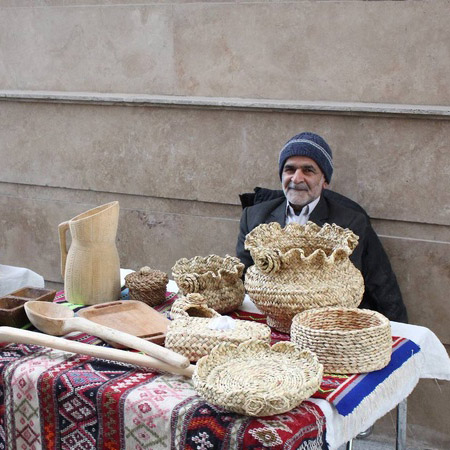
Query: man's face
x,y
302,181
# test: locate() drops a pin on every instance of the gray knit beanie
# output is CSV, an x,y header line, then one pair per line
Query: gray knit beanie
x,y
310,145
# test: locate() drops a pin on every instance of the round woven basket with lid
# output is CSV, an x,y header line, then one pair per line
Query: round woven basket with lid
x,y
299,267
256,379
216,278
345,340
147,285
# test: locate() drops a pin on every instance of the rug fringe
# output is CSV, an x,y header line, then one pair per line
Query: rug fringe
x,y
373,406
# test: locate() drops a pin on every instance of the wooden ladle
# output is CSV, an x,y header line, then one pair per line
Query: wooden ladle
x,y
18,336
59,320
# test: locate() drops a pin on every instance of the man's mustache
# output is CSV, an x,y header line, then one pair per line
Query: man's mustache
x,y
298,187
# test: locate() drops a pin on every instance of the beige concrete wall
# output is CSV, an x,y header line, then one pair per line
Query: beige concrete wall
x,y
247,76
383,51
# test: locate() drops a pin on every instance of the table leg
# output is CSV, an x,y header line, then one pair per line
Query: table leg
x,y
400,443
349,445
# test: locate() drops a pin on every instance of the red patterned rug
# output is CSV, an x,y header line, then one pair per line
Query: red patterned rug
x,y
56,400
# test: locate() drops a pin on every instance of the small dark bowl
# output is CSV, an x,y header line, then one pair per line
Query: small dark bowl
x,y
33,293
12,311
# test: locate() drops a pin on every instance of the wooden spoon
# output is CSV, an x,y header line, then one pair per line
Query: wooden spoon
x,y
59,320
17,335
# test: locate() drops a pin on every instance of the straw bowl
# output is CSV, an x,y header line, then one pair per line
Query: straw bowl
x,y
218,278
345,340
256,379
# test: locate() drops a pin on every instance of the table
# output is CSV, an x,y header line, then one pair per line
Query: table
x,y
51,399
431,362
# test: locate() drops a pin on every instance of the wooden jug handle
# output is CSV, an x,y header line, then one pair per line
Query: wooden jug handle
x,y
62,228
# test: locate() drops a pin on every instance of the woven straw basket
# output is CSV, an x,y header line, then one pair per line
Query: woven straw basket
x,y
345,340
147,285
193,305
215,277
190,334
256,379
299,267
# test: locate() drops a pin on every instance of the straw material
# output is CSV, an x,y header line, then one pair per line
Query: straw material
x,y
215,277
193,305
147,285
299,267
256,379
345,340
190,334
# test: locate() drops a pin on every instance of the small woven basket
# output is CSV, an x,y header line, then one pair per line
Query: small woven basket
x,y
191,335
256,379
345,340
218,279
147,285
193,305
300,267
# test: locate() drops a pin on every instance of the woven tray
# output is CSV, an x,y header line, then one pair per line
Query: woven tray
x,y
190,335
345,340
217,278
300,267
147,285
256,379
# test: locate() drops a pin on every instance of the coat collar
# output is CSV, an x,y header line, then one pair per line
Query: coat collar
x,y
320,213
278,214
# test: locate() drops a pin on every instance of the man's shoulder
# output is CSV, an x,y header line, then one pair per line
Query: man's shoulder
x,y
341,201
263,212
347,215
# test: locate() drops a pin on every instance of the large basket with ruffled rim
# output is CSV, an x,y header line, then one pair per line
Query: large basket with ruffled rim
x,y
256,379
217,278
300,267
345,340
196,329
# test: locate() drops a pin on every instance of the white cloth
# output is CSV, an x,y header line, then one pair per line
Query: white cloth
x,y
303,217
123,274
14,278
431,362
222,323
436,362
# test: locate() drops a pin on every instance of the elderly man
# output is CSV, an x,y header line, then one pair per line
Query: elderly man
x,y
305,169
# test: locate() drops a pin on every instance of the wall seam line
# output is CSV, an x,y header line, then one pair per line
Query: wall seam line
x,y
229,103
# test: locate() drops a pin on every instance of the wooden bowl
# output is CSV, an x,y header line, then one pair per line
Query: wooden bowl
x,y
12,311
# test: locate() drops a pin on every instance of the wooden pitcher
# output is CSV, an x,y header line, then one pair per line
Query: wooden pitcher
x,y
91,267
